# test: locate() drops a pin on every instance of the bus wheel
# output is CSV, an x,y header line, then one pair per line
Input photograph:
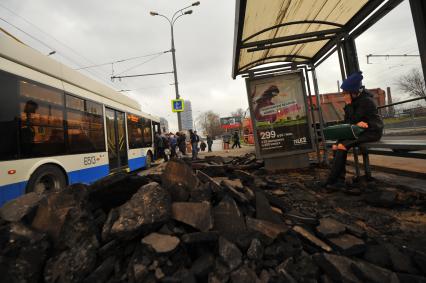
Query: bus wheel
x,y
148,160
46,178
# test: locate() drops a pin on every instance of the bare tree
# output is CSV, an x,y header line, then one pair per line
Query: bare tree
x,y
210,123
412,83
240,114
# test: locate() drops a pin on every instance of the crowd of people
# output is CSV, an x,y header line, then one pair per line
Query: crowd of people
x,y
170,145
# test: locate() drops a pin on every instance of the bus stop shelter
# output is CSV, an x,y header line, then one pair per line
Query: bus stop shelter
x,y
277,36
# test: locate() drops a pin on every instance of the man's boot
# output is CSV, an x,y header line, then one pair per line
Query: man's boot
x,y
336,179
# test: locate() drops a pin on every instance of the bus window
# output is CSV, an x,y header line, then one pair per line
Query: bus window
x,y
8,116
147,132
41,112
134,131
85,131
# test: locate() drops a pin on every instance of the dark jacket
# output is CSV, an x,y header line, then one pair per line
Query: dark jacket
x,y
363,108
194,138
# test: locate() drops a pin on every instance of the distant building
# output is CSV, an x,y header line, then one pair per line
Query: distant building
x,y
186,116
164,125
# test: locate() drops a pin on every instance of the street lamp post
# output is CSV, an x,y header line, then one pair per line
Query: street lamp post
x,y
172,21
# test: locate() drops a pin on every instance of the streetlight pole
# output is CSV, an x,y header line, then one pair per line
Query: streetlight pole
x,y
172,21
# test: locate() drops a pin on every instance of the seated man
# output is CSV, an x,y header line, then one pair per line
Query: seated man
x,y
361,112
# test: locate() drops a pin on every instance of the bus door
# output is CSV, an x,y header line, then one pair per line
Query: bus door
x,y
116,135
156,127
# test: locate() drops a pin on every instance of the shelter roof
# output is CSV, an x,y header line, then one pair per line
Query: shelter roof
x,y
300,31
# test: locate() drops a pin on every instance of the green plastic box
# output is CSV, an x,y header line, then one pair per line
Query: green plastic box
x,y
342,132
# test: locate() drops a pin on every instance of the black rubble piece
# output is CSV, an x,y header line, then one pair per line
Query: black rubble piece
x,y
229,253
348,244
149,207
328,227
20,208
23,253
200,237
195,214
264,210
178,172
228,220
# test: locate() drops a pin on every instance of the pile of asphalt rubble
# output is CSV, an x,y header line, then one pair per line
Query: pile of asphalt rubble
x,y
213,220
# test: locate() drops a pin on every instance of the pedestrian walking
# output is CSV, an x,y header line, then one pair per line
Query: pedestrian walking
x,y
181,142
173,145
158,146
209,143
166,147
194,138
236,140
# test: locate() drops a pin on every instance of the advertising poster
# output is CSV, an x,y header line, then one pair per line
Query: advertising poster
x,y
230,122
279,113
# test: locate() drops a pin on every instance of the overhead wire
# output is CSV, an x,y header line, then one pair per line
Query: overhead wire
x,y
123,60
94,73
140,64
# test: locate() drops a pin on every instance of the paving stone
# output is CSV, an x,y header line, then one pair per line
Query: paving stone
x,y
198,215
17,209
228,220
312,238
229,253
161,243
272,230
348,244
329,227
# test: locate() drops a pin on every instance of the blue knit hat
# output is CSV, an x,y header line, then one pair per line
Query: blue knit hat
x,y
353,82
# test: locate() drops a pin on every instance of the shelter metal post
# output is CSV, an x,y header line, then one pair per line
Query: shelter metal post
x,y
350,56
418,11
321,120
312,109
342,66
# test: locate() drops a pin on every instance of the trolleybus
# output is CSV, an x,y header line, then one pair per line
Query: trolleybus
x,y
59,127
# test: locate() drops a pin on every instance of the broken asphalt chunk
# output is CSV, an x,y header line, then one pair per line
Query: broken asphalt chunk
x,y
272,230
161,243
198,215
312,238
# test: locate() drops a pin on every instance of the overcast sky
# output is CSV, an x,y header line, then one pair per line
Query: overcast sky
x,y
91,32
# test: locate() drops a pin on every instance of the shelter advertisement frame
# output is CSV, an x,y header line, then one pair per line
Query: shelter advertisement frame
x,y
274,133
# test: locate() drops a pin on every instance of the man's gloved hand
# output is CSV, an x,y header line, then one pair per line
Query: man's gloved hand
x,y
362,125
